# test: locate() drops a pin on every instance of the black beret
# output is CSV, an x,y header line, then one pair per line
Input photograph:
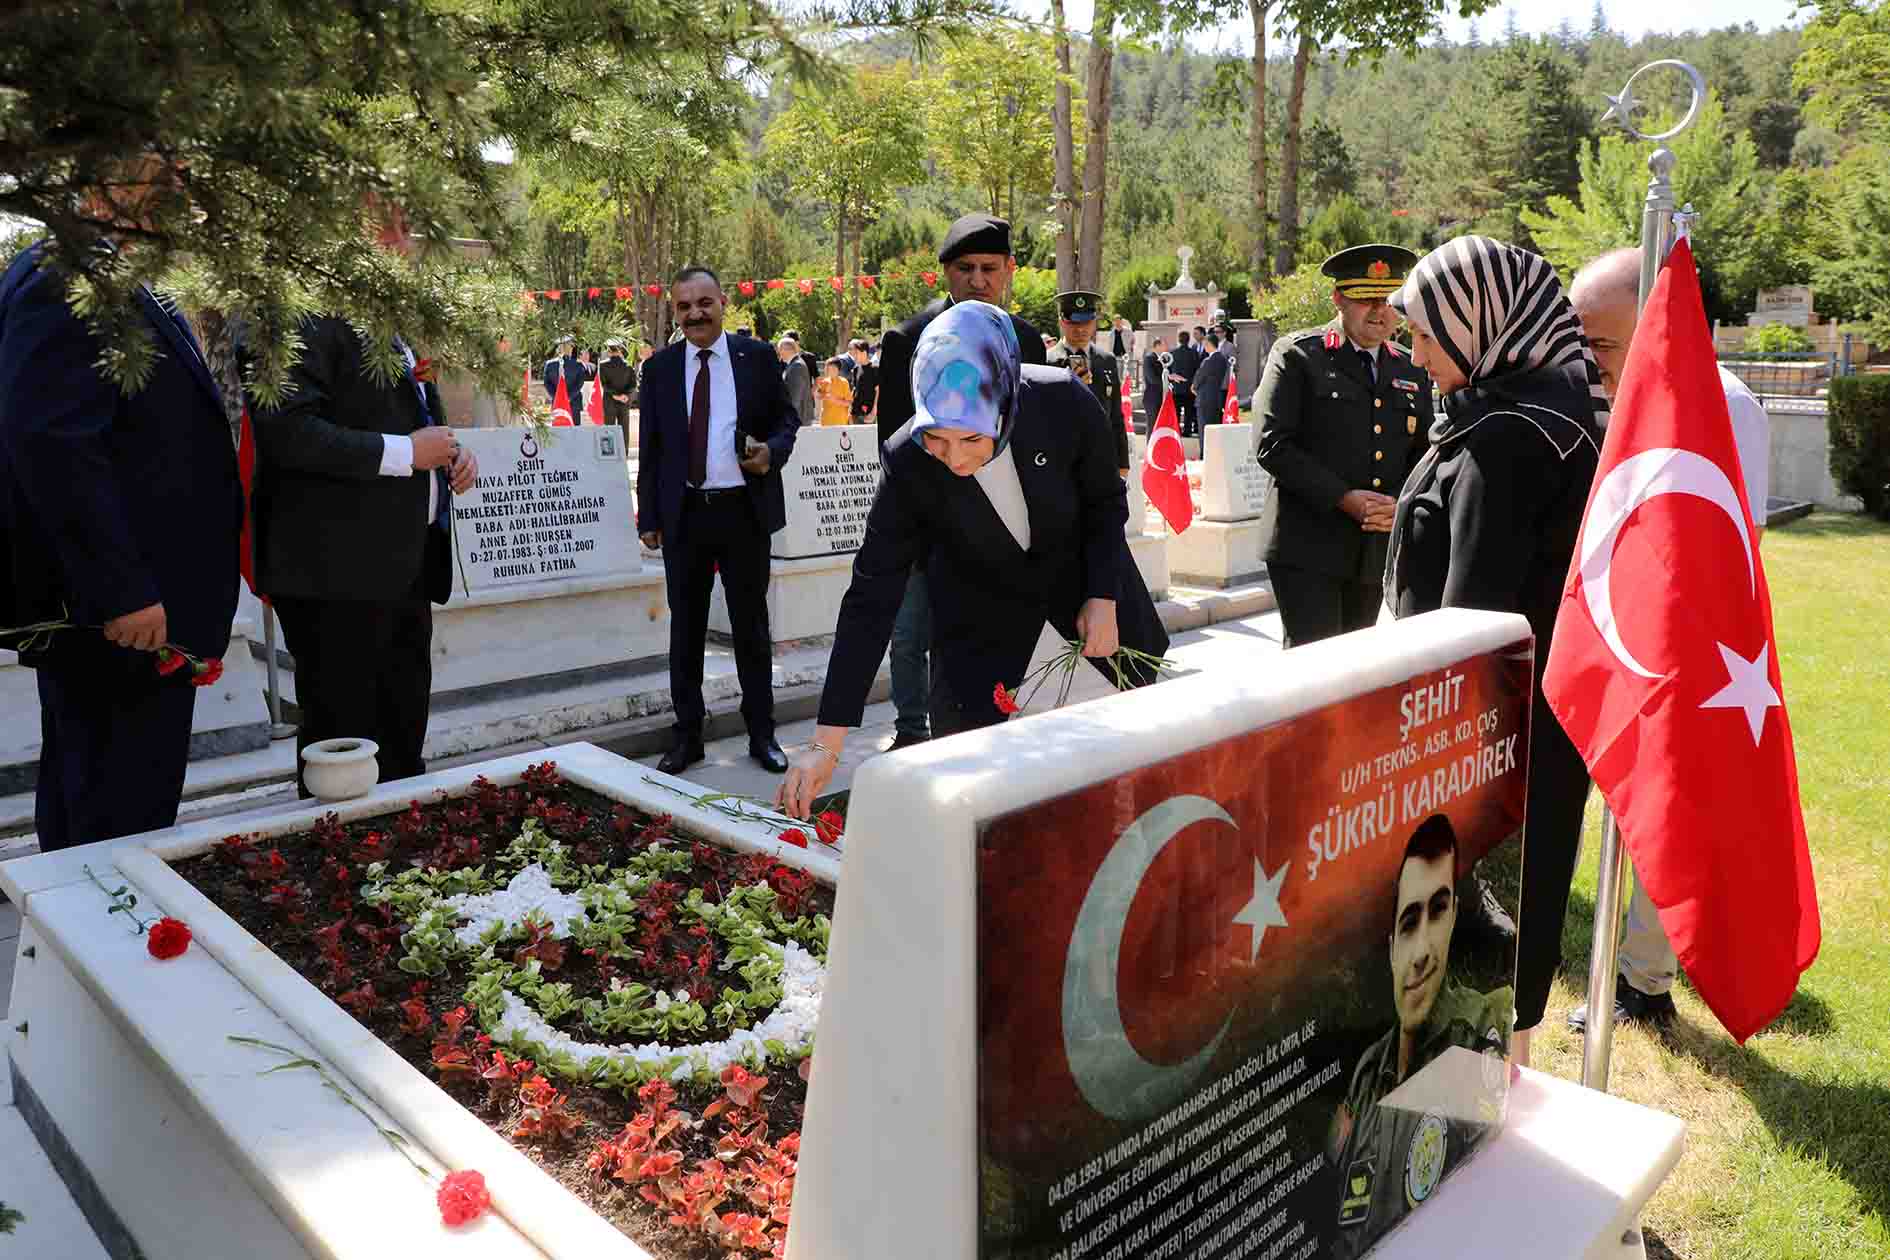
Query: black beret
x,y
976,234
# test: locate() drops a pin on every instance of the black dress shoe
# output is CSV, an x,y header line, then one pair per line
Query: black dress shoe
x,y
1482,923
1631,1006
769,757
686,753
906,739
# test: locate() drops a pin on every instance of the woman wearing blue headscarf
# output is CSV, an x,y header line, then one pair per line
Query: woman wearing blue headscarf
x,y
1005,483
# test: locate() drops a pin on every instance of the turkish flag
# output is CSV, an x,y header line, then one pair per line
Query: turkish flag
x,y
1664,672
838,282
807,286
1230,410
1128,410
561,404
1165,470
594,409
930,278
554,295
594,291
867,282
775,284
747,288
625,293
654,290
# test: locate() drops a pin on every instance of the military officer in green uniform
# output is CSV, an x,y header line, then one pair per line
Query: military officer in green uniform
x,y
1342,417
1390,1158
1076,317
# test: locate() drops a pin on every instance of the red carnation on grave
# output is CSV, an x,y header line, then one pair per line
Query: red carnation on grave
x,y
1006,701
828,826
794,836
463,1197
169,661
167,939
205,673
625,293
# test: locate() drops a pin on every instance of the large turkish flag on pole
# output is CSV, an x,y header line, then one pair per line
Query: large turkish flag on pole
x,y
1664,671
1165,468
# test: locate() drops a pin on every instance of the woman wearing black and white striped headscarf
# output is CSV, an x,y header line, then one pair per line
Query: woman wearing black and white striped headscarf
x,y
1489,517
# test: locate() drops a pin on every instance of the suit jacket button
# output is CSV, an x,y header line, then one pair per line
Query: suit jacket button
x,y
1335,393
1376,483
1378,402
1378,454
1378,428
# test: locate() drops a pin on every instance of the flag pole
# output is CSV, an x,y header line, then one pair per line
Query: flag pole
x,y
1657,238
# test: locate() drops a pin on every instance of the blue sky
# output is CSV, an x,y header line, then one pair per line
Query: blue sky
x,y
1630,17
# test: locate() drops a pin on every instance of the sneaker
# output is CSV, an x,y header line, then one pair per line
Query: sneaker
x,y
1631,1006
906,739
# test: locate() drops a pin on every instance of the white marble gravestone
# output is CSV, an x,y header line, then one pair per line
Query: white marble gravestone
x,y
1232,485
556,508
829,483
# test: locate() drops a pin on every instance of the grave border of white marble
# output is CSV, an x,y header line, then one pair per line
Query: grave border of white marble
x,y
530,1199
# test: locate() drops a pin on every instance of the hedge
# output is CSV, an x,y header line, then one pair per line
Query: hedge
x,y
1860,439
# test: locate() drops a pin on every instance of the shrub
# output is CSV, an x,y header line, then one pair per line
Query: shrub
x,y
1860,440
1301,300
1778,339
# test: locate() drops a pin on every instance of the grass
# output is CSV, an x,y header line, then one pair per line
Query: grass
x,y
1788,1137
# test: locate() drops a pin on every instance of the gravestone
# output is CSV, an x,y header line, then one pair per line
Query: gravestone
x,y
829,482
1787,304
1130,979
555,508
1138,497
1232,484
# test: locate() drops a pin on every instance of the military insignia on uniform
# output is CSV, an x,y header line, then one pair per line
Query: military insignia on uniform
x,y
1424,1161
1409,387
1378,270
1332,339
1357,1203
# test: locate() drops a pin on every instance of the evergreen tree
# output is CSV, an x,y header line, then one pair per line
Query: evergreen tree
x,y
1598,24
1512,28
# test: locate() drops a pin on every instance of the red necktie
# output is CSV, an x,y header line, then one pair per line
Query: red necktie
x,y
699,424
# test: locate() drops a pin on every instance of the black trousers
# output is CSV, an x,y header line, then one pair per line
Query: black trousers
x,y
720,533
1185,414
1552,840
363,668
1316,606
112,752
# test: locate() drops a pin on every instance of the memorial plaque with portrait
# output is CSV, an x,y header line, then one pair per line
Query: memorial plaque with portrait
x,y
1224,1008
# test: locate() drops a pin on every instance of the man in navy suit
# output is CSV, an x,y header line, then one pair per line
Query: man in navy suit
x,y
716,430
575,372
120,514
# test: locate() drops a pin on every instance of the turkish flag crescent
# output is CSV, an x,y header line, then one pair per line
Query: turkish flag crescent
x,y
594,409
1165,469
1672,693
1230,410
561,404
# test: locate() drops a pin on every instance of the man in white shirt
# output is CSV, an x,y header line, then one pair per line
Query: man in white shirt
x,y
1605,294
716,429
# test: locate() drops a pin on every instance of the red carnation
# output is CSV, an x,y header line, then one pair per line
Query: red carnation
x,y
169,661
207,672
463,1197
828,826
167,939
794,836
1006,701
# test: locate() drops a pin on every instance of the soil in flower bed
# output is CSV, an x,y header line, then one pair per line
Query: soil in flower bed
x,y
688,1169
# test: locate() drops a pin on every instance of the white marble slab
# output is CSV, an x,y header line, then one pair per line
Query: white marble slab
x,y
829,482
1232,484
1138,498
558,508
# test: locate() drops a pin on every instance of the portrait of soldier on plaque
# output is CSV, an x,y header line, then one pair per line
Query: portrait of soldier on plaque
x,y
1429,1091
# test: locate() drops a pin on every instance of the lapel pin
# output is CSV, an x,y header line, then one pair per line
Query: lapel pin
x,y
1042,459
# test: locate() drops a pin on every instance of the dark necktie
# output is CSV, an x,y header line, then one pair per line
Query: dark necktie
x,y
443,499
1370,359
699,424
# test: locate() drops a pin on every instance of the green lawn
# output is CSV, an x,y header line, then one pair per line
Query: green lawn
x,y
1788,1138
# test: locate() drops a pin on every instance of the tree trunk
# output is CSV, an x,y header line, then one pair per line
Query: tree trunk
x,y
1102,58
1062,121
1288,256
1257,269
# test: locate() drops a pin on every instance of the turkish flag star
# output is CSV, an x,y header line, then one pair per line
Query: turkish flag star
x,y
1748,686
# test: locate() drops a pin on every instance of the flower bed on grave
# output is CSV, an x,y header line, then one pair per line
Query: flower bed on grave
x,y
633,1008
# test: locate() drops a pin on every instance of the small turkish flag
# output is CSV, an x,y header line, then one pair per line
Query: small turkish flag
x,y
246,477
807,286
594,292
930,278
554,294
625,293
867,282
838,282
1128,410
1672,692
594,406
776,284
1230,410
654,290
747,288
561,403
1165,469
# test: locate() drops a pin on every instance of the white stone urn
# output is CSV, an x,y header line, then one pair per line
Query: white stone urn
x,y
340,769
